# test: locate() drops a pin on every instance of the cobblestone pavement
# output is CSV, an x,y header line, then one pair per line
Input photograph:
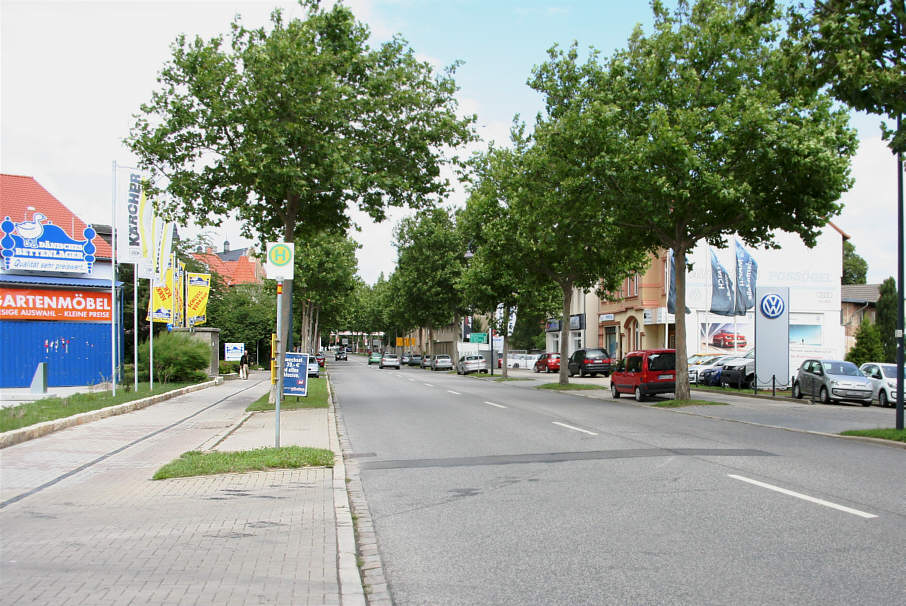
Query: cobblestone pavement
x,y
108,534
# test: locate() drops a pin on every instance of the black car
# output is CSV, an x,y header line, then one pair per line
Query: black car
x,y
340,355
590,362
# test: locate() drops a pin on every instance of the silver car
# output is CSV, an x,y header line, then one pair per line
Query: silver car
x,y
471,363
832,381
883,379
390,360
441,362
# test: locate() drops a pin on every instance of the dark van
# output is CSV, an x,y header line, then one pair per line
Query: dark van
x,y
645,373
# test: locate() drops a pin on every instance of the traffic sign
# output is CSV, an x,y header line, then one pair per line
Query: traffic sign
x,y
279,260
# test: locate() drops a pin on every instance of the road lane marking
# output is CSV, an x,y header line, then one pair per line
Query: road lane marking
x,y
804,497
455,393
591,433
427,385
497,405
411,379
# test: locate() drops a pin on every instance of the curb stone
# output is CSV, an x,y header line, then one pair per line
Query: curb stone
x,y
377,591
23,434
352,589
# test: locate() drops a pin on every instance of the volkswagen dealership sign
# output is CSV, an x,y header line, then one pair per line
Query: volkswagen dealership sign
x,y
772,335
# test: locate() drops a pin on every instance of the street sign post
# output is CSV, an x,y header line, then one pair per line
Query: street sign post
x,y
278,263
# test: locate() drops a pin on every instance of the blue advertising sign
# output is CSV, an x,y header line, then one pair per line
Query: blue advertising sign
x,y
38,246
295,374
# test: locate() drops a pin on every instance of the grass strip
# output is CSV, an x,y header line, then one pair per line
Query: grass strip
x,y
500,379
195,463
48,409
569,387
762,391
681,403
896,435
316,398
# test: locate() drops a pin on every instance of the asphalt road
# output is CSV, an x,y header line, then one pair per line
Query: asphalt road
x,y
490,493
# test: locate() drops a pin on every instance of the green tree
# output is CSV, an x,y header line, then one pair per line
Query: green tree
x,y
858,47
699,131
868,345
431,259
886,315
286,125
245,313
855,268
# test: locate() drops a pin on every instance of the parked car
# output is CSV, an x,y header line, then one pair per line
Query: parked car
x,y
426,361
739,372
374,358
699,361
441,362
321,358
404,359
548,362
645,373
340,355
726,338
710,373
471,363
883,379
314,369
415,360
518,361
832,381
389,360
589,361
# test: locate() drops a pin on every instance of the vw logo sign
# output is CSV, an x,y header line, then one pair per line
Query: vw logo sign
x,y
772,306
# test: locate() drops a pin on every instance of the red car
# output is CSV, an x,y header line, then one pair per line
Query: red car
x,y
726,338
321,359
644,373
548,362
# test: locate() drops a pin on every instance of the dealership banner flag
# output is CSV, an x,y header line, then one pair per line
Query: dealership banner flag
x,y
163,246
721,288
160,306
671,292
746,277
134,218
197,294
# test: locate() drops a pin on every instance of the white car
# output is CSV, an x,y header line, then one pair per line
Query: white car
x,y
521,360
390,360
314,370
883,379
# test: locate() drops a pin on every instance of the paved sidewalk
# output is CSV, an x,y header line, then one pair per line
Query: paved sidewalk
x,y
117,537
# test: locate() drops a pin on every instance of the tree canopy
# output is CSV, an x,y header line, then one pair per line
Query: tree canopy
x,y
699,131
855,268
886,314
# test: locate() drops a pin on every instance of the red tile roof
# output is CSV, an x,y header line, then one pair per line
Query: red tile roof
x,y
17,193
242,271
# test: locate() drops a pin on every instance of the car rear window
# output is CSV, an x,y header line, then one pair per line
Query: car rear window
x,y
389,356
442,357
662,361
596,353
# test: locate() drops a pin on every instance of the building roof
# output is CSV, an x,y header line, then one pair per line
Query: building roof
x,y
21,197
860,293
236,268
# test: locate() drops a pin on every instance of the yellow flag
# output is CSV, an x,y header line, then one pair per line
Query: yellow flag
x,y
197,298
161,303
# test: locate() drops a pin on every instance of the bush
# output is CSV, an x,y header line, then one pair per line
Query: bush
x,y
868,346
177,357
226,367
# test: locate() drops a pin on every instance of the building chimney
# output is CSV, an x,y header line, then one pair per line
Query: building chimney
x,y
226,246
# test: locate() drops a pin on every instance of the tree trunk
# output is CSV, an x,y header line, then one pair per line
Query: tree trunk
x,y
682,364
315,334
506,342
567,289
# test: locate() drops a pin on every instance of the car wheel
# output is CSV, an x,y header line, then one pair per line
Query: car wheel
x,y
569,371
797,391
823,395
882,399
638,394
866,403
593,375
613,392
548,370
536,370
581,373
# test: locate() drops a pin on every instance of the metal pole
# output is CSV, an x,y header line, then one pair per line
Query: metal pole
x,y
900,293
279,363
135,324
150,335
113,287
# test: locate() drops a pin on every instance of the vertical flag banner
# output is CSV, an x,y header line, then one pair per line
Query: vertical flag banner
x,y
721,288
164,244
746,277
161,303
179,295
197,294
130,200
671,292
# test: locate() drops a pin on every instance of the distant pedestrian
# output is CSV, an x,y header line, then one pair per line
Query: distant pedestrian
x,y
244,366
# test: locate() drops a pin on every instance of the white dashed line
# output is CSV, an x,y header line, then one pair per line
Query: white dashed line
x,y
411,379
497,405
591,433
427,385
455,393
804,497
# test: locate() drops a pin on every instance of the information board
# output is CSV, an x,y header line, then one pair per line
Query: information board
x,y
295,374
232,352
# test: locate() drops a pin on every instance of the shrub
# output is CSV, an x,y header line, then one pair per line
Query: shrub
x,y
226,367
177,357
868,346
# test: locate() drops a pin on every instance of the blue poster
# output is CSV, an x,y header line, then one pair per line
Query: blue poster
x,y
38,246
295,374
721,288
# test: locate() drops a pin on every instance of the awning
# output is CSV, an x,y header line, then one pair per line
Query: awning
x,y
56,281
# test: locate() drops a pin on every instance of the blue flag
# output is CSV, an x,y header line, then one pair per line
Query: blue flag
x,y
721,289
746,276
671,291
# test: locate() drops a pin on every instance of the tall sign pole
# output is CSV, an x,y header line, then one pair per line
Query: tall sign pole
x,y
279,265
900,293
113,288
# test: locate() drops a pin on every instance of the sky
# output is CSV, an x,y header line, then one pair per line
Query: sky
x,y
73,74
